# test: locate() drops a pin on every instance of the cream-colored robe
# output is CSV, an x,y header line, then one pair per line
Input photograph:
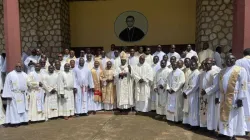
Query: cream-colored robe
x,y
232,85
204,54
108,89
124,88
245,63
161,78
207,102
191,104
51,100
176,79
66,86
36,96
16,88
142,90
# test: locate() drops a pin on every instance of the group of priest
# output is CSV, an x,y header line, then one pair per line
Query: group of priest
x,y
195,89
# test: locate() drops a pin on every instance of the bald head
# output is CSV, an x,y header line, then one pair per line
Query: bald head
x,y
174,65
42,62
172,59
37,67
81,62
230,60
208,64
246,52
180,64
172,49
159,48
142,59
109,65
156,59
18,67
51,69
189,47
205,45
66,67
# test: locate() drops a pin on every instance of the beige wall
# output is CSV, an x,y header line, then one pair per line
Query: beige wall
x,y
169,22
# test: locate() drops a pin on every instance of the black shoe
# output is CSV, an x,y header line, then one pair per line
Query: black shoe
x,y
232,138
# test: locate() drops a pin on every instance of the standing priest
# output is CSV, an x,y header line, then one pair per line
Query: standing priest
x,y
176,79
143,75
124,85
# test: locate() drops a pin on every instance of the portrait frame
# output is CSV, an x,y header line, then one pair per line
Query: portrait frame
x,y
140,22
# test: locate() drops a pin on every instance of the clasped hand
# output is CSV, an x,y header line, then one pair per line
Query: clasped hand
x,y
141,81
171,91
109,80
184,95
203,92
40,84
53,91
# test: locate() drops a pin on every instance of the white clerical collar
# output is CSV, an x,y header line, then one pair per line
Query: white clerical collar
x,y
80,67
141,64
130,28
175,69
155,64
18,72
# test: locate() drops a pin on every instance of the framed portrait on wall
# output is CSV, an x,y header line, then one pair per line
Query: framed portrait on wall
x,y
131,26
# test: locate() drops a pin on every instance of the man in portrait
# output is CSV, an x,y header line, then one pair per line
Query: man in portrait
x,y
131,33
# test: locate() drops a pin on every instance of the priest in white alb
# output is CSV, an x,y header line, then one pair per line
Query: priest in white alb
x,y
62,62
191,97
155,67
36,95
103,60
245,63
143,75
232,85
132,59
148,56
15,90
117,60
174,53
190,53
205,53
71,56
89,62
30,61
83,83
66,92
208,95
82,55
51,91
160,88
124,85
159,52
176,79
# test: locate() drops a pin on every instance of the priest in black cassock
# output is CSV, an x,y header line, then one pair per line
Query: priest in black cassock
x,y
131,33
